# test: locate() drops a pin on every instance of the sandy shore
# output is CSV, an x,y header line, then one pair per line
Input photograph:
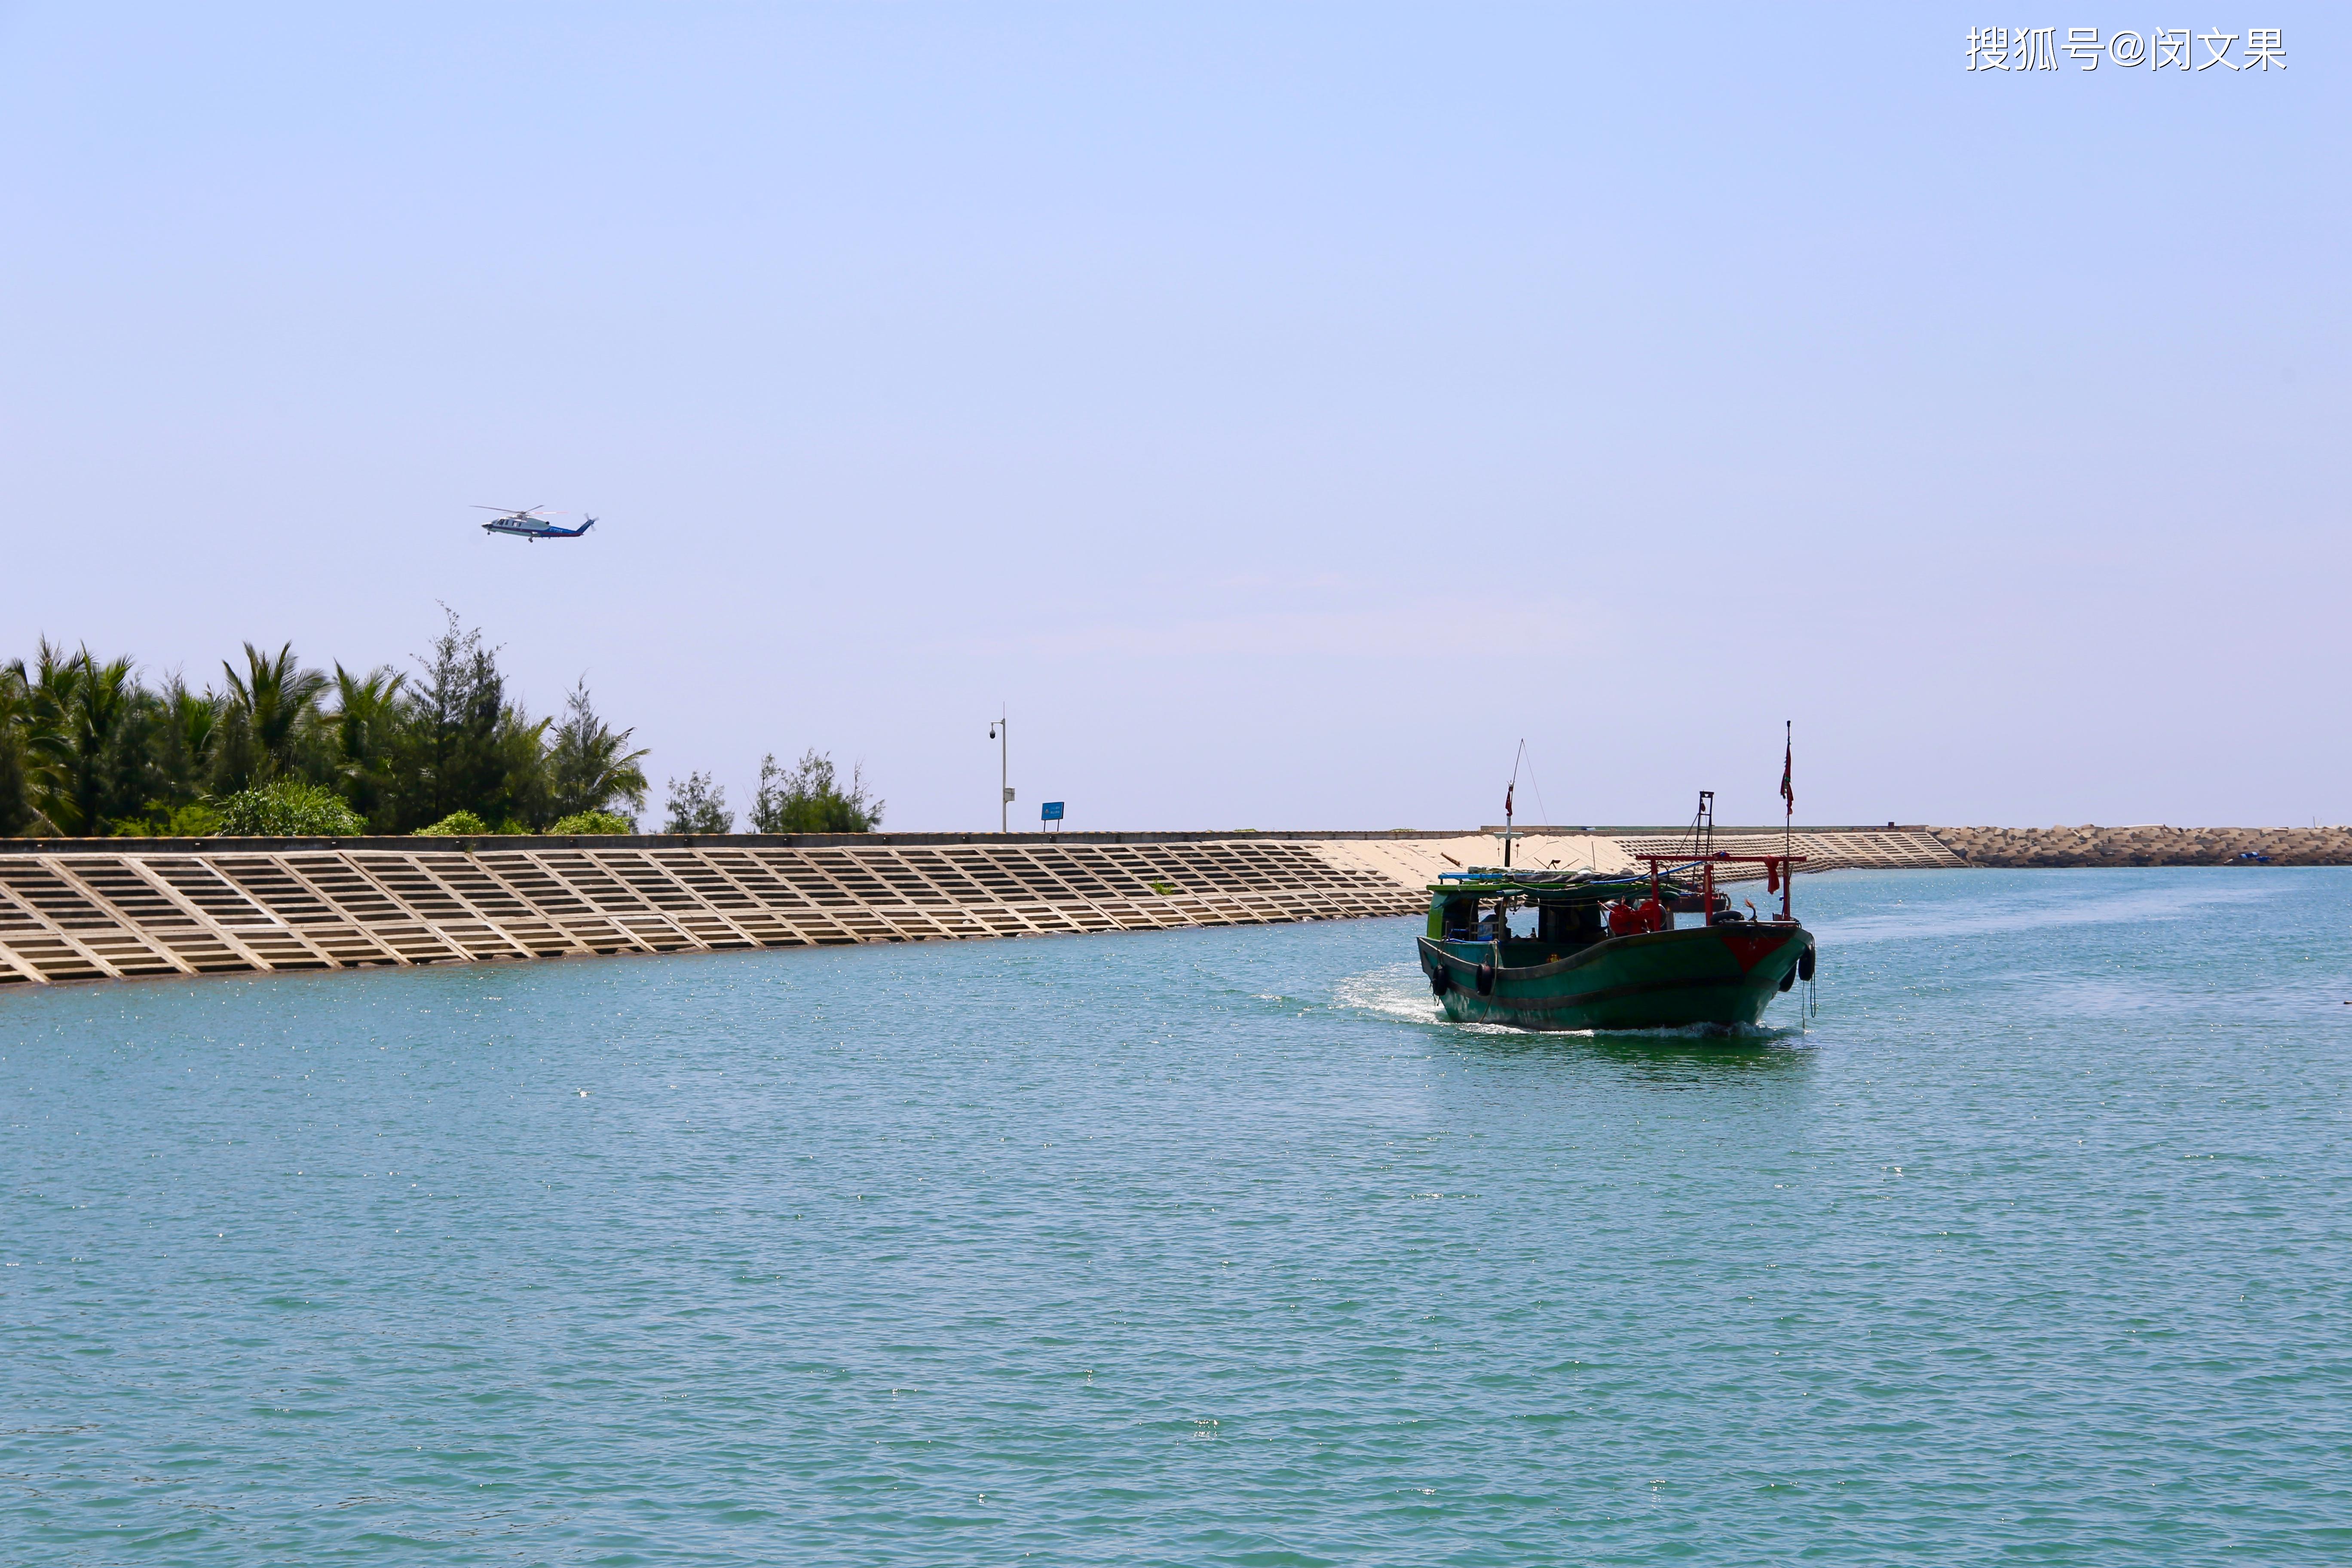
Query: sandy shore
x,y
2146,845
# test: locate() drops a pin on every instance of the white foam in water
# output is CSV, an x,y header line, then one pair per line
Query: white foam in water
x,y
1393,991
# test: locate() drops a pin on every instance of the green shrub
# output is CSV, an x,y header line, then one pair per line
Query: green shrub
x,y
457,823
697,805
199,820
809,798
286,808
593,822
194,820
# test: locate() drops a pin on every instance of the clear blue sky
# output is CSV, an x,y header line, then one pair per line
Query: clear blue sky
x,y
1285,409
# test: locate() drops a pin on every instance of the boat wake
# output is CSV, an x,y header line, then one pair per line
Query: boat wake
x,y
1401,991
1392,990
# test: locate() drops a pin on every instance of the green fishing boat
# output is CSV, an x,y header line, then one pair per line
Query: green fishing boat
x,y
1658,950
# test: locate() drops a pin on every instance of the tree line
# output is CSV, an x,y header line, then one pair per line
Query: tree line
x,y
89,749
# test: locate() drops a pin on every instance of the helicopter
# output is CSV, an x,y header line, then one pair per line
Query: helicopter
x,y
528,524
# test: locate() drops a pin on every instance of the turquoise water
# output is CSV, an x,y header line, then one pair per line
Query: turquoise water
x,y
1202,1247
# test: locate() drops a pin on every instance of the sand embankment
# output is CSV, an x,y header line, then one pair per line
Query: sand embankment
x,y
1417,862
2146,845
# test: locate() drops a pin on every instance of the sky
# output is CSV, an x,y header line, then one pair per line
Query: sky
x,y
1282,413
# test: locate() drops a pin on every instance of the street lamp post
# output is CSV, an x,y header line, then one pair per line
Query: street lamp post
x,y
1001,732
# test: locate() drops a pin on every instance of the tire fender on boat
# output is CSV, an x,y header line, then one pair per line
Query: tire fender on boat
x,y
1805,963
1440,978
1487,978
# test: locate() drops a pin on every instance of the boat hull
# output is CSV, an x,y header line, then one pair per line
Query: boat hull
x,y
1722,975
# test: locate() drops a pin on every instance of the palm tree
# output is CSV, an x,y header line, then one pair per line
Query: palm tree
x,y
589,769
367,730
78,713
528,786
275,700
15,787
190,737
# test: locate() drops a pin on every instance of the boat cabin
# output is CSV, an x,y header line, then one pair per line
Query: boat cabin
x,y
1538,917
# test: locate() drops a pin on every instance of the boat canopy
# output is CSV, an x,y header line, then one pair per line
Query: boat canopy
x,y
1574,887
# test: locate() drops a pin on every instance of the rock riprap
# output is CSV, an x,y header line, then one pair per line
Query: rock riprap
x,y
2146,845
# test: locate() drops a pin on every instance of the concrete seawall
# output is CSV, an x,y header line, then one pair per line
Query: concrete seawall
x,y
126,909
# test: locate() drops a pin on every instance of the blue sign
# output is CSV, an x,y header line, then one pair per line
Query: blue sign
x,y
1052,812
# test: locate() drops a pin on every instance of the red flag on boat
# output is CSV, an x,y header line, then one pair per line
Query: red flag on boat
x,y
1787,762
1508,790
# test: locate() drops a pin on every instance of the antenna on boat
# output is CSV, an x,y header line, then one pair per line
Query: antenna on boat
x,y
1702,828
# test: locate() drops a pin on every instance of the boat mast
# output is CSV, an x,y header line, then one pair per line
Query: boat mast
x,y
1788,812
1510,792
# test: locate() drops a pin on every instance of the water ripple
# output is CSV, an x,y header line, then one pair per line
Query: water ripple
x,y
1202,1247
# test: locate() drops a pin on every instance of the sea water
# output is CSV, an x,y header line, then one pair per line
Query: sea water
x,y
1208,1246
